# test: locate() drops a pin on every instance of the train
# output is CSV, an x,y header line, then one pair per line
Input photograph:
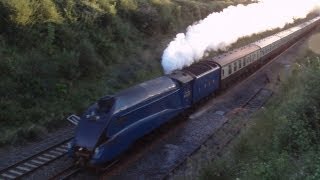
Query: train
x,y
112,124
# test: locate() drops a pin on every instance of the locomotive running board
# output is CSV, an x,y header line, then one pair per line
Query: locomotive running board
x,y
74,119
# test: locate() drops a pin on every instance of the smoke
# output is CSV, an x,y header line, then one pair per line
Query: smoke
x,y
219,30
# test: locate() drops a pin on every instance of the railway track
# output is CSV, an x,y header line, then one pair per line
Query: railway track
x,y
31,164
258,99
66,173
34,162
230,129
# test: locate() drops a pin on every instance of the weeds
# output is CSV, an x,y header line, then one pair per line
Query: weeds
x,y
284,141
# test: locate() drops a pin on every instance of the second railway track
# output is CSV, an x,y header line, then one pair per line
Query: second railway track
x,y
245,103
255,102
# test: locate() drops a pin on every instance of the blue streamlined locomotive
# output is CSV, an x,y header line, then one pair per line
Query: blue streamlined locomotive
x,y
111,125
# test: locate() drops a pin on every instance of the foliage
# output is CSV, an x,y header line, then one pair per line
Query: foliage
x,y
58,56
283,143
32,11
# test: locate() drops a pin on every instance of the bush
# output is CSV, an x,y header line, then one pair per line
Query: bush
x,y
68,65
128,6
109,6
283,143
58,56
21,12
89,63
32,11
5,66
47,12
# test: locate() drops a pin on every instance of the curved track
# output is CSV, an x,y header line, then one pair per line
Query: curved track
x,y
229,131
220,139
255,102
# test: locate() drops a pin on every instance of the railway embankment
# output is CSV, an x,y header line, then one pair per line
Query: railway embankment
x,y
57,57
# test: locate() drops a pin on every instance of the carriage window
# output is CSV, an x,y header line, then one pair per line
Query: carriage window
x,y
235,66
244,62
239,64
222,72
230,69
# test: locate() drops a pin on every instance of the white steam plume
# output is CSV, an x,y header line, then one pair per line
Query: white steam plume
x,y
219,30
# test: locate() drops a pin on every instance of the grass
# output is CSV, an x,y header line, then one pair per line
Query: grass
x,y
283,142
58,56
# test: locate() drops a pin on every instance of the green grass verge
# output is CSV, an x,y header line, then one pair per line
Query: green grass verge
x,y
284,140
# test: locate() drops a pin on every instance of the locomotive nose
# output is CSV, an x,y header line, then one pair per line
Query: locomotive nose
x,y
93,123
89,132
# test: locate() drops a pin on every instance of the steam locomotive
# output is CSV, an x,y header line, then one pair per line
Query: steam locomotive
x,y
109,126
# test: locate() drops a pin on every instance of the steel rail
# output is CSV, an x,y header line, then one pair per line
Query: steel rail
x,y
34,162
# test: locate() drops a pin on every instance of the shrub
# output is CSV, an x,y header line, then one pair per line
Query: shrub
x,y
146,18
283,142
47,12
32,11
126,8
68,65
50,48
89,63
128,5
166,12
109,6
5,66
22,12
